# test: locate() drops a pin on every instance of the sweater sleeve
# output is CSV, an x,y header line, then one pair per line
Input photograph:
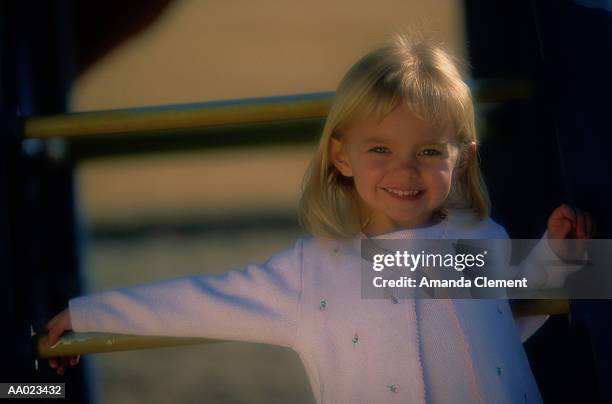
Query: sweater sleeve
x,y
259,303
543,270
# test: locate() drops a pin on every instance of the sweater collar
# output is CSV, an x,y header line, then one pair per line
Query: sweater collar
x,y
455,220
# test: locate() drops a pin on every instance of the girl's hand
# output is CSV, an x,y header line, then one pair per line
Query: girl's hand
x,y
568,230
56,327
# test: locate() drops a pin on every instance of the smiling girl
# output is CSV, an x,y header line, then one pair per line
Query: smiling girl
x,y
396,159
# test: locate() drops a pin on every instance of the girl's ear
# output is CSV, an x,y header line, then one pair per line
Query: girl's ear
x,y
338,157
466,156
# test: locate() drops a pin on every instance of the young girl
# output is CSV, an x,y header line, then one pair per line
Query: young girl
x,y
397,159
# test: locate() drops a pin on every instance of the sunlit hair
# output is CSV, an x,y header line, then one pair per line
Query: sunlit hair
x,y
416,71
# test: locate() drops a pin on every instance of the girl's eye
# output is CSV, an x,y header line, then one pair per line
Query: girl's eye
x,y
430,152
379,149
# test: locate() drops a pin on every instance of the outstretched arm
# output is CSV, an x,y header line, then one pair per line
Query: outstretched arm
x,y
259,303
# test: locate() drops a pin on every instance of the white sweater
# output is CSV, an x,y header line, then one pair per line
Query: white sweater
x,y
354,350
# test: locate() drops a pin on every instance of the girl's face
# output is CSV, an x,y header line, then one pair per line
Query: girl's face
x,y
402,168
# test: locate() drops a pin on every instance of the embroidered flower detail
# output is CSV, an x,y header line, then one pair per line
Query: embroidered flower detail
x,y
323,304
393,388
394,299
355,340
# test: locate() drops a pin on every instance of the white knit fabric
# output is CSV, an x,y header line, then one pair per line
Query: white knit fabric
x,y
354,350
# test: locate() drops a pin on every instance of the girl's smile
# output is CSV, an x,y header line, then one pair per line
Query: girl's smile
x,y
405,195
402,168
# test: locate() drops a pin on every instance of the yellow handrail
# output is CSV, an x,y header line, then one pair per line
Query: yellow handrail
x,y
253,111
71,343
226,113
536,307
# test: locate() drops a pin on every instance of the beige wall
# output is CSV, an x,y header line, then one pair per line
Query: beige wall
x,y
210,50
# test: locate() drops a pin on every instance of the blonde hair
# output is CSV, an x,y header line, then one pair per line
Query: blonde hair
x,y
414,70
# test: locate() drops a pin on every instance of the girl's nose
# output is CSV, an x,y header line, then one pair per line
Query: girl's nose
x,y
409,165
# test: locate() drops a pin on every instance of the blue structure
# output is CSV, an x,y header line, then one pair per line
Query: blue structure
x,y
548,150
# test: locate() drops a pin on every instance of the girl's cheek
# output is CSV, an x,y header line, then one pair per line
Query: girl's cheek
x,y
443,168
368,176
444,175
375,166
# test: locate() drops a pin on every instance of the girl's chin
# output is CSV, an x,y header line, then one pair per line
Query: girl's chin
x,y
408,221
388,224
412,224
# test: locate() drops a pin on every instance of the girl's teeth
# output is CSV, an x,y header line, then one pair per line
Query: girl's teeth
x,y
403,193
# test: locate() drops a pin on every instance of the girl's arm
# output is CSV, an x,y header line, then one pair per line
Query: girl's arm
x,y
531,268
258,304
545,266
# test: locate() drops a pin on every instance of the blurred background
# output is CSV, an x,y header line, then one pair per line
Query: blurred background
x,y
88,213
